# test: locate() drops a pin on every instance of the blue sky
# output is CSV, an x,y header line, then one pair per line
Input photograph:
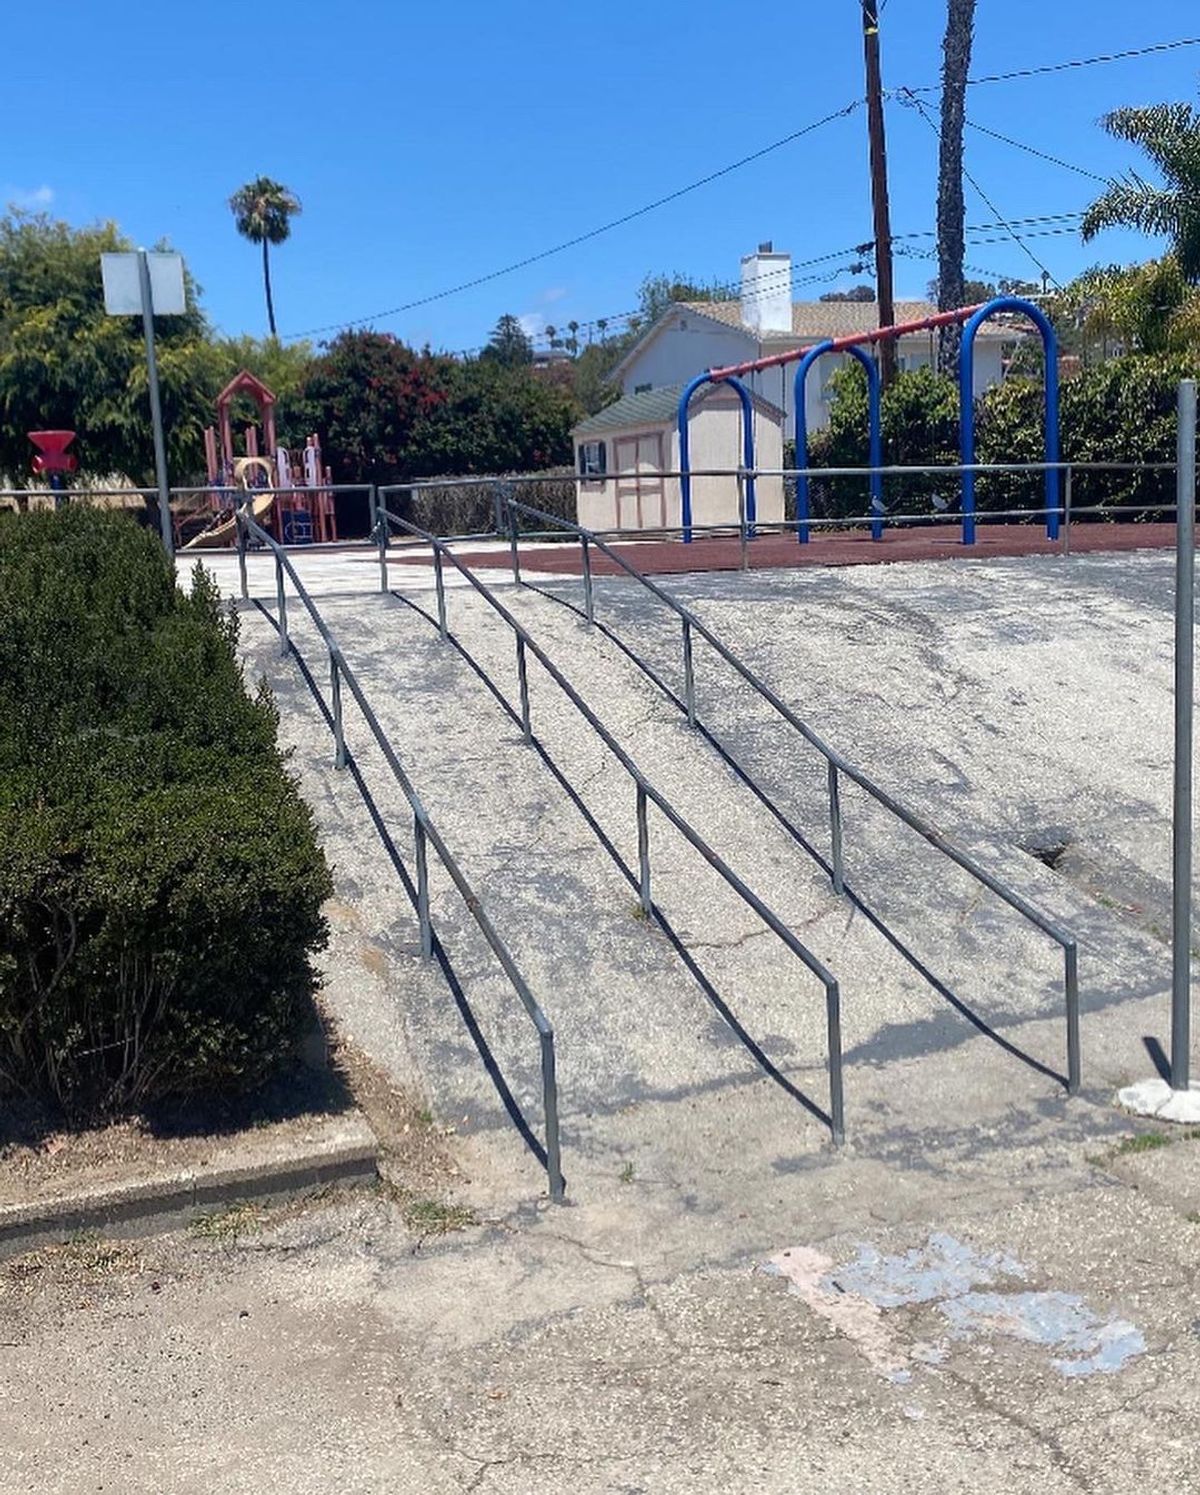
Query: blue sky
x,y
432,144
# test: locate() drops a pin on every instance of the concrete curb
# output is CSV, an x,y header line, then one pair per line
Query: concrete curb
x,y
345,1151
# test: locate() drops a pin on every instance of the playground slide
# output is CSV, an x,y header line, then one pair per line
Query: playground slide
x,y
223,529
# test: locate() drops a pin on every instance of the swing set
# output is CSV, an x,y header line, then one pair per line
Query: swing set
x,y
857,345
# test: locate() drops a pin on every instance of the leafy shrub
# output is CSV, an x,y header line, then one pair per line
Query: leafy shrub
x,y
920,428
160,881
1123,410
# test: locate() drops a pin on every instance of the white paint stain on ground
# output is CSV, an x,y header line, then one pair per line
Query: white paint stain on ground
x,y
947,1274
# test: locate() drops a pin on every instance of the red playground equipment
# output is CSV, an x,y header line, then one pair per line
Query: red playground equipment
x,y
293,499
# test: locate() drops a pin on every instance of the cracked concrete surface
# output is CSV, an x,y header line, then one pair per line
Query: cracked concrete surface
x,y
632,1340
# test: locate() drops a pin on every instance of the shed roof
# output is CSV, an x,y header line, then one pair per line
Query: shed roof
x,y
657,407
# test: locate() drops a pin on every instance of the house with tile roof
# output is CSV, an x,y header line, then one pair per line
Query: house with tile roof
x,y
692,336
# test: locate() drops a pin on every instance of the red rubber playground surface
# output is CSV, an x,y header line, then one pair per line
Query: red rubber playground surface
x,y
723,552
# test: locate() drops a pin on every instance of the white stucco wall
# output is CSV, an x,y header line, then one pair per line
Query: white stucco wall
x,y
686,346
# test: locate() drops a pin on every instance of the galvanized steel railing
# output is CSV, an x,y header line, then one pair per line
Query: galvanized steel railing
x,y
837,764
424,832
646,794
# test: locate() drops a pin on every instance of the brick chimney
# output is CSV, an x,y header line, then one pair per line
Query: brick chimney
x,y
767,290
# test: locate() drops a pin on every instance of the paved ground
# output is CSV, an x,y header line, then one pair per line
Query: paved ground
x,y
983,1291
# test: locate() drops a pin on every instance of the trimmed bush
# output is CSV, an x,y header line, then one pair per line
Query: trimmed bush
x,y
160,880
1123,410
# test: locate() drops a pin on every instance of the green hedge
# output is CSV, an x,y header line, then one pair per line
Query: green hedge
x,y
160,880
1122,410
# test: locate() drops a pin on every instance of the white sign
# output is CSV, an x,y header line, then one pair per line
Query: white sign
x,y
122,285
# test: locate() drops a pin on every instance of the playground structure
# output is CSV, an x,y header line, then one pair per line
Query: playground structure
x,y
856,345
293,499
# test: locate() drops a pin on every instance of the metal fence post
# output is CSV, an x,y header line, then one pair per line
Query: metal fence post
x,y
1181,829
512,542
1068,483
741,493
423,918
523,679
381,539
833,1027
643,830
339,733
439,582
241,550
589,606
281,603
550,1110
835,828
498,507
689,674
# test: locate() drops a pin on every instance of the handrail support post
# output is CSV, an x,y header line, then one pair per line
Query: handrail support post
x,y
440,585
835,829
339,732
689,673
643,834
523,681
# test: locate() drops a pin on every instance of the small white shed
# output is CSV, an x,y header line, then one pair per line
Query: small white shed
x,y
627,447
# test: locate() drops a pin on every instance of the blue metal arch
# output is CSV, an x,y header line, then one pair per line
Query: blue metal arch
x,y
685,479
966,405
875,428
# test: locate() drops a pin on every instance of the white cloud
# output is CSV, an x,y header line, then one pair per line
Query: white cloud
x,y
31,198
533,323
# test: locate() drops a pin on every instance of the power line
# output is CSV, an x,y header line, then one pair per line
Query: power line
x,y
1033,151
1016,238
1076,62
593,233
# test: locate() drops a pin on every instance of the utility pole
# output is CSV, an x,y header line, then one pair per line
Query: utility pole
x,y
879,190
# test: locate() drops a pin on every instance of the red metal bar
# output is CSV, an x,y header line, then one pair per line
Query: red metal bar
x,y
898,329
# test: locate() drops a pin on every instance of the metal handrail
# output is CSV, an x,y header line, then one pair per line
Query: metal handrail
x,y
646,794
425,833
837,765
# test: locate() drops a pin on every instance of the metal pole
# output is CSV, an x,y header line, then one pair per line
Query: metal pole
x,y
156,420
512,542
833,1028
381,537
523,678
835,828
689,674
423,918
589,606
1071,988
1185,611
339,735
550,1107
440,583
643,829
281,604
1066,532
241,550
741,493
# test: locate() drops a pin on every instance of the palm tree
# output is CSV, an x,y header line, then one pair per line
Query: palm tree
x,y
1170,136
573,340
263,210
956,61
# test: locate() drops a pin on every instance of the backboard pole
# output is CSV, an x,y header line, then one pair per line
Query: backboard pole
x,y
160,445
